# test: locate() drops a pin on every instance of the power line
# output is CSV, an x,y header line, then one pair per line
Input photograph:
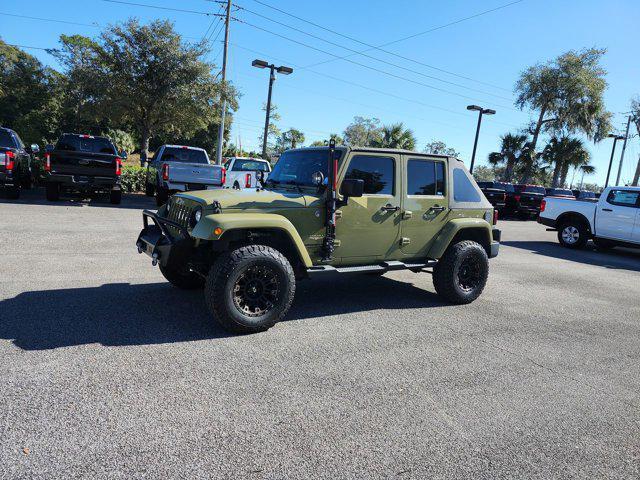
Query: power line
x,y
94,25
378,47
395,65
158,7
48,50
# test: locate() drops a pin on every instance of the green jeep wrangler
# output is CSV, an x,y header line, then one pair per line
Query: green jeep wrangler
x,y
324,211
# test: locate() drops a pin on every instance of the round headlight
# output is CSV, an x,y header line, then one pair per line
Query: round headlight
x,y
198,215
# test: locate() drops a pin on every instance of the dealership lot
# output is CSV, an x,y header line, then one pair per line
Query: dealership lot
x,y
106,370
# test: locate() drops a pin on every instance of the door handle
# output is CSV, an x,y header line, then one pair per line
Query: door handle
x,y
389,208
437,208
607,210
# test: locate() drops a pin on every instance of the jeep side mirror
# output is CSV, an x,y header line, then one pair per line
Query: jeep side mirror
x,y
352,187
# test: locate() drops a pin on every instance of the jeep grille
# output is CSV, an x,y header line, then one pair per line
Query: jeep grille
x,y
180,211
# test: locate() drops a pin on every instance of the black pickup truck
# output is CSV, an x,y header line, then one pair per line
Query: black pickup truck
x,y
526,200
83,163
496,193
15,163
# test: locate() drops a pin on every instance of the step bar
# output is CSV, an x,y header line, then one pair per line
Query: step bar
x,y
381,267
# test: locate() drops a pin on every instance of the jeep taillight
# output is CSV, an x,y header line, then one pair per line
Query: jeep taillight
x,y
9,158
543,205
165,171
224,175
247,181
47,162
118,166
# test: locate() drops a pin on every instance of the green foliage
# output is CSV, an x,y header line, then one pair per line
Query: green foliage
x,y
484,173
291,138
511,151
363,132
396,136
438,147
564,153
323,143
133,178
121,139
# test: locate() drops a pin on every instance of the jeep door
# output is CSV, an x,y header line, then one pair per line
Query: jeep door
x,y
425,206
369,226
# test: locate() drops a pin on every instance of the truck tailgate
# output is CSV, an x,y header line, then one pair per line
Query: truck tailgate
x,y
195,173
83,163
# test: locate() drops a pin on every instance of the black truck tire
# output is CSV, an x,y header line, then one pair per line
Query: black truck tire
x,y
162,195
250,289
573,233
115,197
185,280
13,193
461,274
149,190
53,191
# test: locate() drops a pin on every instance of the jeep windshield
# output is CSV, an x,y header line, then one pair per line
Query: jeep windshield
x,y
296,167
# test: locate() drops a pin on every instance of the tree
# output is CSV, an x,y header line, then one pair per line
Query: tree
x,y
564,153
323,143
568,96
635,112
291,138
273,132
511,150
121,139
396,136
484,173
363,132
437,147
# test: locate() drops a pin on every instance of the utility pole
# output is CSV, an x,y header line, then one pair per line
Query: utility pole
x,y
613,151
624,147
636,177
224,85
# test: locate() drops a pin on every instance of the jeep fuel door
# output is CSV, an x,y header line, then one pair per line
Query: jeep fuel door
x,y
369,226
425,205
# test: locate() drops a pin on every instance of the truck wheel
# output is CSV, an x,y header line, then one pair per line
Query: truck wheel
x,y
53,192
461,274
149,190
162,196
236,186
115,197
185,280
250,289
13,193
573,234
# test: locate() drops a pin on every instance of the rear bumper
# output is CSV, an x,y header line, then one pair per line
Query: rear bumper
x,y
547,222
83,182
494,248
187,187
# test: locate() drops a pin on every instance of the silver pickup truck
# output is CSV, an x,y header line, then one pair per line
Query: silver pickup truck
x,y
178,168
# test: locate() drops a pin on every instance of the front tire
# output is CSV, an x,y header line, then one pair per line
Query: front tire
x,y
573,234
115,197
186,280
250,289
13,193
461,274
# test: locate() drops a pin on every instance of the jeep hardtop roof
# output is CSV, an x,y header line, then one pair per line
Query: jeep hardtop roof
x,y
379,150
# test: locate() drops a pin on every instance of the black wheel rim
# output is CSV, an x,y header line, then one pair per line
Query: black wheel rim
x,y
469,274
256,290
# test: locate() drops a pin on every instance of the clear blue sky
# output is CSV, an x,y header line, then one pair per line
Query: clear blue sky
x,y
492,48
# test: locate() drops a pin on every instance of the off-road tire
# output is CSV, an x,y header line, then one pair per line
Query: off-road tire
x,y
229,269
185,280
447,274
573,234
149,190
115,197
13,193
162,196
52,192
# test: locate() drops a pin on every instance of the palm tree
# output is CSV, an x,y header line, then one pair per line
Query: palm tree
x,y
564,153
511,149
396,136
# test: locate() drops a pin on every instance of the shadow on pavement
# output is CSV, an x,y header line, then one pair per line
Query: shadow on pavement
x,y
36,196
121,314
617,258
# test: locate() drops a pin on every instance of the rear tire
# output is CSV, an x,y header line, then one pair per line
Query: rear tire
x,y
162,196
149,190
115,197
250,289
185,280
13,193
573,234
461,274
53,192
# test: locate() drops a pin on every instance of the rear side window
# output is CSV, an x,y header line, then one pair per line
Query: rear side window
x,y
249,166
425,177
378,173
73,143
463,189
6,140
623,198
184,155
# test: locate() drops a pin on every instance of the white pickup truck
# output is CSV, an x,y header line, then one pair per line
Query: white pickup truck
x,y
612,220
178,168
244,172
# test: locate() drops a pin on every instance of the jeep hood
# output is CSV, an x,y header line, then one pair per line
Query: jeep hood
x,y
250,199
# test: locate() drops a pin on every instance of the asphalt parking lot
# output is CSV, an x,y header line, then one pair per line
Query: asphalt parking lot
x,y
106,370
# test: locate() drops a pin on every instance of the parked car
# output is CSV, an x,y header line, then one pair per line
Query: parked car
x,y
15,163
83,163
179,168
559,192
495,193
246,172
525,201
584,194
612,220
247,249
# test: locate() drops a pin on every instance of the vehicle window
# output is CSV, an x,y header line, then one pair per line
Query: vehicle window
x,y
559,191
532,189
298,166
18,140
485,184
463,189
377,172
73,143
623,198
249,166
227,164
6,140
425,177
184,155
507,187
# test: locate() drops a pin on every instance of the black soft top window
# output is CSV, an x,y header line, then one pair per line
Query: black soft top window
x,y
377,172
78,143
6,139
184,155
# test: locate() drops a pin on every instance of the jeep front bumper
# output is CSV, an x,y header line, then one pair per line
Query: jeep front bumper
x,y
157,241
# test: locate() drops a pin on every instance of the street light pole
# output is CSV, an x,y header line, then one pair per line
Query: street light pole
x,y
481,111
613,151
224,86
624,147
272,78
